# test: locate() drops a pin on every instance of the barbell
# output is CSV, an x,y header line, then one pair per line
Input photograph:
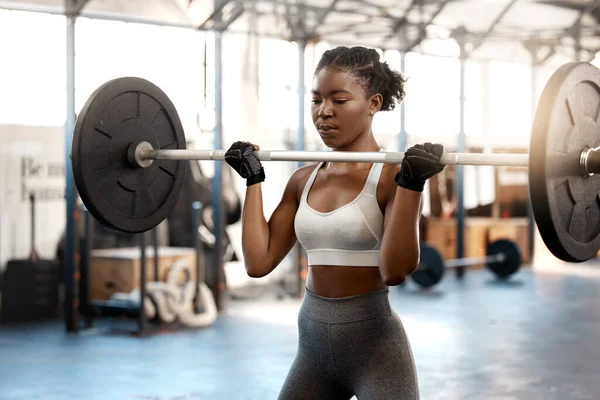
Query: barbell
x,y
128,139
503,258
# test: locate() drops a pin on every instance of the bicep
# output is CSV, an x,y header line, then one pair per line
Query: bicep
x,y
282,235
405,207
389,194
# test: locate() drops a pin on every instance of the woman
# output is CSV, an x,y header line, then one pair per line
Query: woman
x,y
359,225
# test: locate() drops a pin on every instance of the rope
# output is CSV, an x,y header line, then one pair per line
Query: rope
x,y
169,301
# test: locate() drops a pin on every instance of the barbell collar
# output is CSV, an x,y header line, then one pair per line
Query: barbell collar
x,y
590,161
493,159
134,154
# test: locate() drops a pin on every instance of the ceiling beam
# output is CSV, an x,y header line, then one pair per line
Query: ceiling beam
x,y
293,21
588,9
423,29
312,8
223,16
399,24
321,19
74,7
492,27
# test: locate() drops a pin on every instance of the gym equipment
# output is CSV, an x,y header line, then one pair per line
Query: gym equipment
x,y
564,190
128,138
30,287
503,258
117,116
431,267
169,301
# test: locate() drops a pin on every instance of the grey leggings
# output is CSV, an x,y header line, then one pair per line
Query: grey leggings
x,y
351,346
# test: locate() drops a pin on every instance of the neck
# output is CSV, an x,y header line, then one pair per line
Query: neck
x,y
363,143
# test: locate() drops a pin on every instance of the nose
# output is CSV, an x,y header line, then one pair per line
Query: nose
x,y
325,110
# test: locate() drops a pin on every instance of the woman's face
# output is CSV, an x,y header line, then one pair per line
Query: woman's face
x,y
340,107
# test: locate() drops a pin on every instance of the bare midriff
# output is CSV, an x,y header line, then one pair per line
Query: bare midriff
x,y
343,281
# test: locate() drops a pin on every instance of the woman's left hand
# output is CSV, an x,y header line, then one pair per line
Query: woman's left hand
x,y
420,163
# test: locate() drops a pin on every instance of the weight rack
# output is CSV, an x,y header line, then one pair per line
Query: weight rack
x,y
90,309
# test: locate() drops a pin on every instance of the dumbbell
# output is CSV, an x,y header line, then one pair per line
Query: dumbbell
x,y
503,258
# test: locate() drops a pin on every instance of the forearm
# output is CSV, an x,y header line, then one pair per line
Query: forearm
x,y
255,233
399,252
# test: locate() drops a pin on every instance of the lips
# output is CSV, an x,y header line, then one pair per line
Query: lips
x,y
326,129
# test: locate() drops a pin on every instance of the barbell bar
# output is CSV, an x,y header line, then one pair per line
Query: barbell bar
x,y
128,141
145,153
503,258
470,261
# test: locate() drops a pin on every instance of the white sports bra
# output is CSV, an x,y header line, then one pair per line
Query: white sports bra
x,y
349,235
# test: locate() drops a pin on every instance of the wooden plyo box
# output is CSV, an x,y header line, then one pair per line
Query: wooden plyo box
x,y
441,233
118,270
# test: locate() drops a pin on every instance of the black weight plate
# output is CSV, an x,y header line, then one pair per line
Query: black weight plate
x,y
431,267
123,197
565,204
512,257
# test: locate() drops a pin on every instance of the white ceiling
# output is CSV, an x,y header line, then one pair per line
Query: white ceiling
x,y
496,27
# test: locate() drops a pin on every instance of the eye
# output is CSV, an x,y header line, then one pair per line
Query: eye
x,y
340,101
315,101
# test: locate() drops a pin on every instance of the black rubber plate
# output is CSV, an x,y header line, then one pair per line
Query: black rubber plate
x,y
431,267
565,204
512,260
121,196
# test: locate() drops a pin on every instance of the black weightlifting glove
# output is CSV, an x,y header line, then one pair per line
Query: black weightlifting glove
x,y
420,163
241,158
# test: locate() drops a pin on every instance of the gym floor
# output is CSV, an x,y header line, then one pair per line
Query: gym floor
x,y
533,337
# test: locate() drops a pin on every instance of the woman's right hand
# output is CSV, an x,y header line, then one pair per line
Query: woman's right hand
x,y
241,158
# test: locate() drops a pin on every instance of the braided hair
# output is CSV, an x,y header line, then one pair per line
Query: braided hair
x,y
374,75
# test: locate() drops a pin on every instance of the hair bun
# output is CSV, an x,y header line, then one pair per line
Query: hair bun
x,y
365,63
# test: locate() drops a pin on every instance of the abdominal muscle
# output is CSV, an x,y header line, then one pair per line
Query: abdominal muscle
x,y
342,281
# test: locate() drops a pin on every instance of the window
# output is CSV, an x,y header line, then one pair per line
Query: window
x,y
387,124
278,84
33,74
510,99
432,95
171,58
474,98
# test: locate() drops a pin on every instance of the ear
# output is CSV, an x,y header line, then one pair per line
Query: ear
x,y
375,102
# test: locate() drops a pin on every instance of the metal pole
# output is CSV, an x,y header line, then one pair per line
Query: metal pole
x,y
85,270
300,140
530,216
498,159
71,291
402,139
485,112
301,94
196,211
33,254
155,248
460,214
142,313
217,181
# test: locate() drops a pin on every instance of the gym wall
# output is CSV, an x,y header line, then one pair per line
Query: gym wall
x,y
32,160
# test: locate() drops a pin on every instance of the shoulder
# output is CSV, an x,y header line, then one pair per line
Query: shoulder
x,y
387,185
299,178
301,175
389,171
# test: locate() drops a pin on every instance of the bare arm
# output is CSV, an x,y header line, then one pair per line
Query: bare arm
x,y
399,252
265,244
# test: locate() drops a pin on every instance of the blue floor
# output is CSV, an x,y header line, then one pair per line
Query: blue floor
x,y
535,337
